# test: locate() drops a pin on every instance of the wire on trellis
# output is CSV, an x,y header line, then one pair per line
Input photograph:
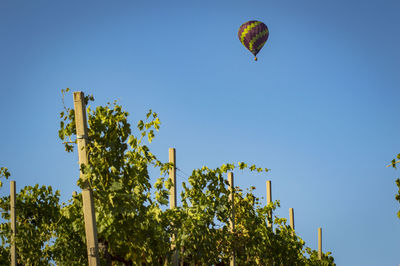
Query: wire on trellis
x,y
182,172
182,176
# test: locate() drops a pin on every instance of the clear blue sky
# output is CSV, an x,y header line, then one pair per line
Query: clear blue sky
x,y
320,107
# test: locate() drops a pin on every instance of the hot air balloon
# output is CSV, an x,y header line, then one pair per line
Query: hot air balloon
x,y
253,35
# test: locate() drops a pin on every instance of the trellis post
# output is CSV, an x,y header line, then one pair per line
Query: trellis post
x,y
291,219
232,220
172,176
13,223
172,197
87,194
269,200
320,243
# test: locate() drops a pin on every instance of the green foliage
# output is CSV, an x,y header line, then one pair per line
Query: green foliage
x,y
70,244
38,215
325,260
4,173
118,175
135,227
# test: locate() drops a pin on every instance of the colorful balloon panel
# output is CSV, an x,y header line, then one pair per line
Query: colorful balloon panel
x,y
253,35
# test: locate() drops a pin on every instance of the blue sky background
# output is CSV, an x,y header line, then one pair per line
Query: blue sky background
x,y
320,107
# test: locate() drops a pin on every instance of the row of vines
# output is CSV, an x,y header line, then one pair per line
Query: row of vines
x,y
134,224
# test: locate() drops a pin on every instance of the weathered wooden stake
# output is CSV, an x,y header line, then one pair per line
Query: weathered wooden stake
x,y
232,220
13,223
87,194
291,218
320,243
172,198
172,176
269,200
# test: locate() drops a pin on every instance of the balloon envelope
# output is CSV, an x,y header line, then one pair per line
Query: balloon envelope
x,y
253,35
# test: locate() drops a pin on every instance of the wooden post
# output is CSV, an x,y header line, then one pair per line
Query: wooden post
x,y
13,223
232,220
269,200
291,218
87,194
320,243
172,176
172,197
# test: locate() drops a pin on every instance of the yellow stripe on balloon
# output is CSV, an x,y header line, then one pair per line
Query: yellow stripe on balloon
x,y
247,29
258,36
